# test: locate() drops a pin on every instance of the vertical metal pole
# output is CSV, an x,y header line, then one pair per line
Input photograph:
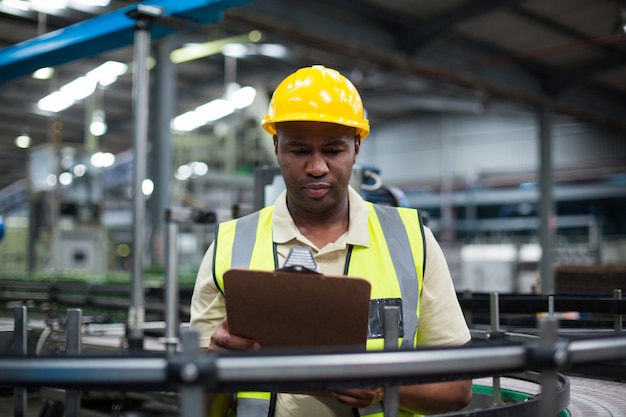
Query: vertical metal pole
x,y
494,311
547,402
73,347
171,284
551,306
391,404
141,78
547,215
161,155
192,395
20,348
448,227
617,295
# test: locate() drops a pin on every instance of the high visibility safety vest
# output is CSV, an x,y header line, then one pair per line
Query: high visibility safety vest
x,y
393,264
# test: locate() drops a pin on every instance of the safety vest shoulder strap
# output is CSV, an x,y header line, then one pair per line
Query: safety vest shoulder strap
x,y
393,263
252,236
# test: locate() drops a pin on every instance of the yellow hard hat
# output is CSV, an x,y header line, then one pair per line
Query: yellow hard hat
x,y
317,94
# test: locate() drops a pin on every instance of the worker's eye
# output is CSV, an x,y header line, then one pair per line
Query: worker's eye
x,y
300,151
334,151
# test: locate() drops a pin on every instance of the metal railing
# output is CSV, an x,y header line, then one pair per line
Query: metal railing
x,y
191,372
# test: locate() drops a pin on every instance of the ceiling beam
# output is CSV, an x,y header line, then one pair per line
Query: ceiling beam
x,y
427,31
391,59
105,33
560,81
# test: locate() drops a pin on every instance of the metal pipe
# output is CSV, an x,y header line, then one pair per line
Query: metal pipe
x,y
548,406
73,347
617,295
20,348
391,403
256,371
546,205
171,285
191,395
494,310
141,82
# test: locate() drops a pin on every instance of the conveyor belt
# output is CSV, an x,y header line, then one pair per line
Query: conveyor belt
x,y
588,397
597,398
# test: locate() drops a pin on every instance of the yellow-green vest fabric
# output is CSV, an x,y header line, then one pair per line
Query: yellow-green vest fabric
x,y
393,264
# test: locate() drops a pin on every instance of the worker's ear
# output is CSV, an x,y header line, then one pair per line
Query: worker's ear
x,y
357,146
275,138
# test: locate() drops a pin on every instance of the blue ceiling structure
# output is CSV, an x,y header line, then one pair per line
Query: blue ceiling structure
x,y
105,33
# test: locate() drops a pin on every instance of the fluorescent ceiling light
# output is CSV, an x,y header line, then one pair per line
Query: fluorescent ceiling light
x,y
243,97
202,115
214,110
147,187
183,172
98,126
240,50
79,170
53,5
102,159
91,3
55,102
65,178
44,73
195,51
48,5
17,4
108,72
79,88
272,50
82,87
22,141
235,50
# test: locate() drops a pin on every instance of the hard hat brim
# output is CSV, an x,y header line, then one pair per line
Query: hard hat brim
x,y
269,124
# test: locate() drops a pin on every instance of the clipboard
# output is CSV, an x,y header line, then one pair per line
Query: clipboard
x,y
287,309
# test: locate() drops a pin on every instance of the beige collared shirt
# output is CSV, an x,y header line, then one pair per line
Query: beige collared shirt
x,y
441,322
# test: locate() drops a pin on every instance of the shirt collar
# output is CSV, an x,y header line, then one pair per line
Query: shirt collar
x,y
285,230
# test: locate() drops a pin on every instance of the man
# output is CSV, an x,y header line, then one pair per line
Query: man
x,y
316,118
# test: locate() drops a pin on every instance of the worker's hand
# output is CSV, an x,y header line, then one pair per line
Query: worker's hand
x,y
222,340
359,398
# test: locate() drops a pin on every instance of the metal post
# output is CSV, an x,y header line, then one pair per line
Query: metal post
x,y
617,295
391,403
171,283
73,347
546,211
144,16
165,102
547,404
192,395
494,311
551,306
20,348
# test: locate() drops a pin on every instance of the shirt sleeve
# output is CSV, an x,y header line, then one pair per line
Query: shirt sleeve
x,y
208,307
441,320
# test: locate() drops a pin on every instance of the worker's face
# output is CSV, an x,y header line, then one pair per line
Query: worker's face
x,y
316,162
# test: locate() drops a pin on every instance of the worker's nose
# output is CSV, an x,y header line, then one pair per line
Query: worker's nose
x,y
316,165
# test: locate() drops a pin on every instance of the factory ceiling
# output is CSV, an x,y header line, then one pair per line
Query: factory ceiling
x,y
407,57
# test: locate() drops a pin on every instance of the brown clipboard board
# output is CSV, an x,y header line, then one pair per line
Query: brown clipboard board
x,y
286,309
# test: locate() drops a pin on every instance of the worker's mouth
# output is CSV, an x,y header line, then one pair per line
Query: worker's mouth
x,y
317,190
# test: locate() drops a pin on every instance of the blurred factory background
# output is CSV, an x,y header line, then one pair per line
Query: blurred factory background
x,y
502,120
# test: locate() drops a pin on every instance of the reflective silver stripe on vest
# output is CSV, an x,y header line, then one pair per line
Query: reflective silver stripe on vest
x,y
374,409
253,407
402,257
244,240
